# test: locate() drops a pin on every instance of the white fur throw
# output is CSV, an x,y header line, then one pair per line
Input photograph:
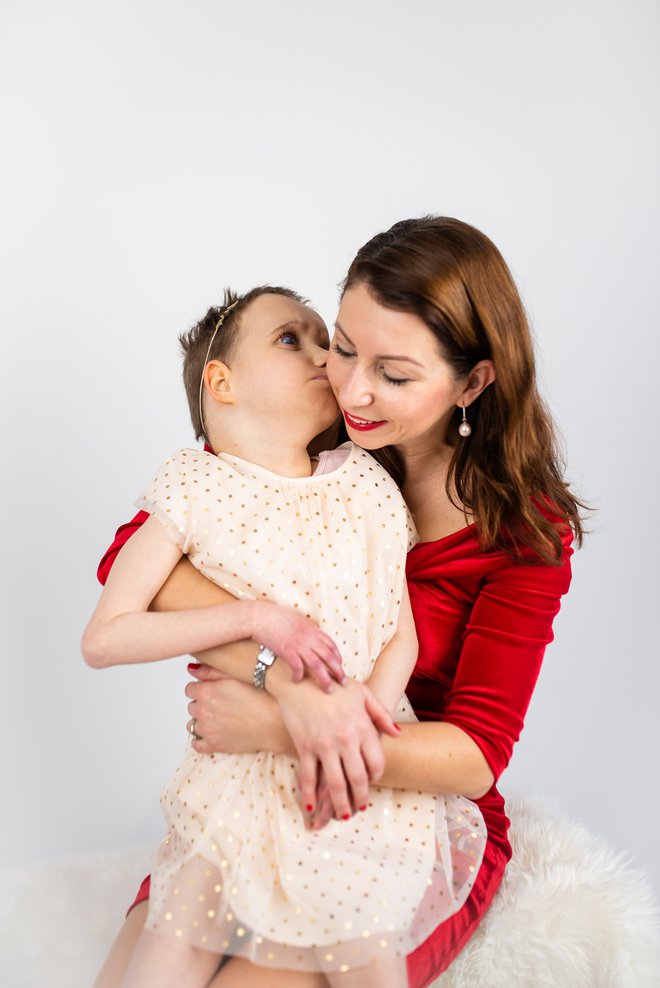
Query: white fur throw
x,y
570,914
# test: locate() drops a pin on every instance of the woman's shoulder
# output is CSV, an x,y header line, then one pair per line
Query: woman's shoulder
x,y
461,556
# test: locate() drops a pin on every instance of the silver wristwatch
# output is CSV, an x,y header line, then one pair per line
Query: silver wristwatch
x,y
265,659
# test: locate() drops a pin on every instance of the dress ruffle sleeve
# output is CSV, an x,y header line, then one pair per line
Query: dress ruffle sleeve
x,y
169,496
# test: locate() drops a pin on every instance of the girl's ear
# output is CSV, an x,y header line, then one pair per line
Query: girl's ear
x,y
481,375
218,383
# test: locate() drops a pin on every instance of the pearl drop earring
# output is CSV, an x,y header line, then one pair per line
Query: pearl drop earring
x,y
464,428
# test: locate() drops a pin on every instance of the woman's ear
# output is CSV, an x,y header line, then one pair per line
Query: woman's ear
x,y
217,382
481,375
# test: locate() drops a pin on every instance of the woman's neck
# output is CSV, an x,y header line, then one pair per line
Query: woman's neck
x,y
425,492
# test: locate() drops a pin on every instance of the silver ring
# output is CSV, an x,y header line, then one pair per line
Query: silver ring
x,y
191,729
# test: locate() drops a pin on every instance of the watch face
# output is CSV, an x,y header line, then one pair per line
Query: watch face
x,y
266,656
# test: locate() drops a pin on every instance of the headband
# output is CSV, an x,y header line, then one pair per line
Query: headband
x,y
206,360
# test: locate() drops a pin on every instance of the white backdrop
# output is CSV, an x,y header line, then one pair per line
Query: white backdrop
x,y
154,152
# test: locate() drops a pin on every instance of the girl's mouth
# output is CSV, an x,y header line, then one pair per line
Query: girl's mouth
x,y
362,425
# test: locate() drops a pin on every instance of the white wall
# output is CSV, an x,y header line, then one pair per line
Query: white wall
x,y
154,152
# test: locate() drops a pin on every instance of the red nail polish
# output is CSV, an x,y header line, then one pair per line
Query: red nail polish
x,y
362,809
194,665
346,816
309,807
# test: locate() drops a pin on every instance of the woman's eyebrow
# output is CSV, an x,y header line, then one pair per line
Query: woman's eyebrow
x,y
380,356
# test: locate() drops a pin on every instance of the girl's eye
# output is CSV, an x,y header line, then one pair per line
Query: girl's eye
x,y
288,338
338,350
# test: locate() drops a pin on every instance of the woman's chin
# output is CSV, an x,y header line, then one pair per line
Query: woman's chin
x,y
368,438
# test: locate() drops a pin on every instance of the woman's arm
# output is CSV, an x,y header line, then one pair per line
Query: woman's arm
x,y
436,757
509,627
431,756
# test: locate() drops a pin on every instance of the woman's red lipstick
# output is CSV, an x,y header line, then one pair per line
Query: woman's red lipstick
x,y
361,425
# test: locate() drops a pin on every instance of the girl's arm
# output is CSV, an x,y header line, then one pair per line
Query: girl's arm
x,y
396,662
121,631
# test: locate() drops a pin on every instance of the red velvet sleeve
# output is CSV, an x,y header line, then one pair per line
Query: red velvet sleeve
x,y
122,536
505,639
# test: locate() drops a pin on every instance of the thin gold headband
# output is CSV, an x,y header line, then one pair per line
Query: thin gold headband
x,y
206,360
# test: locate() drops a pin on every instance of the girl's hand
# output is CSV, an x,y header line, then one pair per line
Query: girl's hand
x,y
232,717
299,643
338,732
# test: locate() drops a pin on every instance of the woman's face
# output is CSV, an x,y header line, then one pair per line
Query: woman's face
x,y
390,379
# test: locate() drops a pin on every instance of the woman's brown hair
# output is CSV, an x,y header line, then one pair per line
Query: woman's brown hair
x,y
508,473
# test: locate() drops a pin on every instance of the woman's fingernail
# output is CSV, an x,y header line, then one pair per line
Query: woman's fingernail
x,y
346,816
309,808
362,809
397,728
194,665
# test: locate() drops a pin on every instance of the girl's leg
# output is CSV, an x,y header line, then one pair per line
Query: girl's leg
x,y
160,962
239,973
390,973
112,973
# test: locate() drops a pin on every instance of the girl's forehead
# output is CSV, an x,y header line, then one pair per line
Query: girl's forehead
x,y
270,313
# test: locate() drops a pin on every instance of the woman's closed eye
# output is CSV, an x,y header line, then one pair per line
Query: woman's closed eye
x,y
334,346
394,380
346,354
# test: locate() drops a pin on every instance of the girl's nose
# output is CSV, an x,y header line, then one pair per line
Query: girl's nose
x,y
320,356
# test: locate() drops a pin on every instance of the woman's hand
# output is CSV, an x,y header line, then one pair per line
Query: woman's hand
x,y
338,732
232,717
324,810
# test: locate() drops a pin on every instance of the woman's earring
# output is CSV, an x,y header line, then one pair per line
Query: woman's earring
x,y
464,428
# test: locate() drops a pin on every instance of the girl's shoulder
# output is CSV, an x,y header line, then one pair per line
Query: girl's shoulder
x,y
189,458
351,459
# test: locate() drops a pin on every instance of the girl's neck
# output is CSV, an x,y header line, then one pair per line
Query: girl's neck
x,y
268,451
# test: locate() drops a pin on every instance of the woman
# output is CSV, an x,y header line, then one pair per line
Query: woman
x,y
433,368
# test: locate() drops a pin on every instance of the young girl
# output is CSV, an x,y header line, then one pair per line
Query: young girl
x,y
315,554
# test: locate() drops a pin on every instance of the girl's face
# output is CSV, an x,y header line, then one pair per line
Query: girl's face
x,y
390,379
278,372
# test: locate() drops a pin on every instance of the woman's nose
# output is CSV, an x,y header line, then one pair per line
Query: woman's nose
x,y
354,390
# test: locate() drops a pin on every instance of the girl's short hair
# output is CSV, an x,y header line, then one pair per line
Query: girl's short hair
x,y
195,342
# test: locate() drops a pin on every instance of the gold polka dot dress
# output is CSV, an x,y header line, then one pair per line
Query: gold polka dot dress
x,y
238,872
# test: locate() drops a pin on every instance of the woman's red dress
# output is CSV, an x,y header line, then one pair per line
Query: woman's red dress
x,y
483,623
